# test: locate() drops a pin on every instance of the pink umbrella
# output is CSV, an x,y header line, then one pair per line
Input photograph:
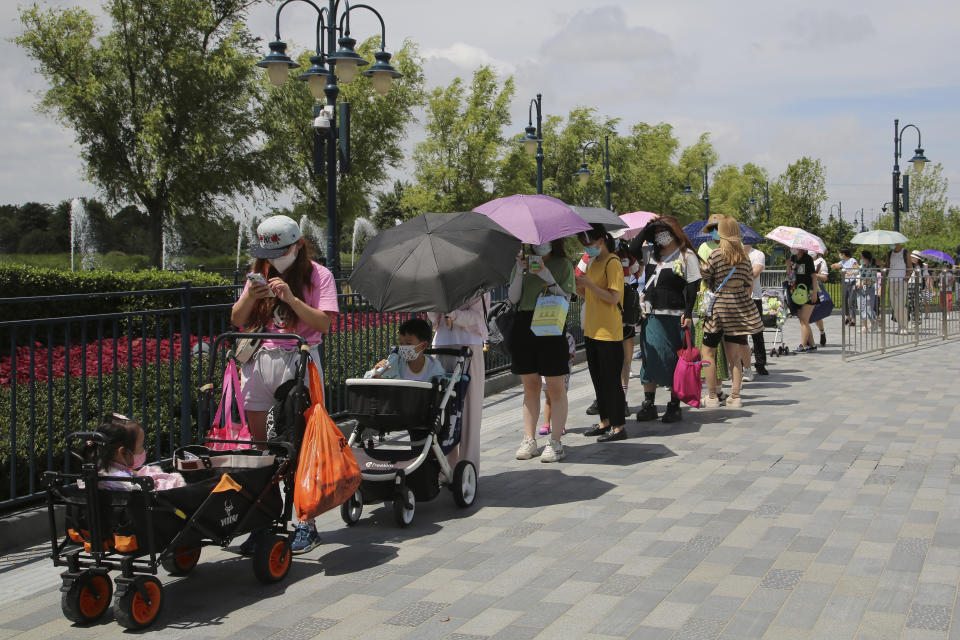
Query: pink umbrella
x,y
534,219
796,238
635,222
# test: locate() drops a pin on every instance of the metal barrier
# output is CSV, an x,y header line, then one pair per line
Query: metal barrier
x,y
899,312
58,374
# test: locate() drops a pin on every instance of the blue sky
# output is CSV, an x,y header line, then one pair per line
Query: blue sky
x,y
770,81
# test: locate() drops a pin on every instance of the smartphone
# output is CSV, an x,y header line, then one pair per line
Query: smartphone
x,y
534,263
259,279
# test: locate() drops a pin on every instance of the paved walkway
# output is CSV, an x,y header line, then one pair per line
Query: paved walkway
x,y
828,507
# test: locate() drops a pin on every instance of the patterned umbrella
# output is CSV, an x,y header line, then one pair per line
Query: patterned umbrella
x,y
937,256
796,238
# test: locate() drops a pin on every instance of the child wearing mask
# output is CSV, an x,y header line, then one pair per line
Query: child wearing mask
x,y
123,455
410,362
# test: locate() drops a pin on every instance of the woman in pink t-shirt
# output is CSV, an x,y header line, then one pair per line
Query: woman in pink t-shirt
x,y
300,297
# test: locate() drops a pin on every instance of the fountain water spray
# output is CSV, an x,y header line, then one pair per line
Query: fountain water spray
x,y
81,236
361,226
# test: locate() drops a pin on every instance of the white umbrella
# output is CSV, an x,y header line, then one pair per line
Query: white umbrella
x,y
879,236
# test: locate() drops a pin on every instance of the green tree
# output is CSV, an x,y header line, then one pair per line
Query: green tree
x,y
164,105
928,202
798,195
455,167
389,206
378,126
648,179
692,160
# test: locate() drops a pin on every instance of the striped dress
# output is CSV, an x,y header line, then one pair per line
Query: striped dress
x,y
734,313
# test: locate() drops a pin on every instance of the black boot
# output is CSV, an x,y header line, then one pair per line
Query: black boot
x,y
648,412
761,369
672,414
593,409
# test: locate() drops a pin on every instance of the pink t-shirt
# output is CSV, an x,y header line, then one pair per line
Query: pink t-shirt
x,y
320,294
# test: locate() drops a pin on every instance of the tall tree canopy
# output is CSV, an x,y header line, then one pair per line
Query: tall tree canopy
x,y
164,105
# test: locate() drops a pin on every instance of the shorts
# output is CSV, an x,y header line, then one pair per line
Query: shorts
x,y
712,340
547,356
267,370
629,331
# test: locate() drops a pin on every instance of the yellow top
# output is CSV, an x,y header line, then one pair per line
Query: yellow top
x,y
603,321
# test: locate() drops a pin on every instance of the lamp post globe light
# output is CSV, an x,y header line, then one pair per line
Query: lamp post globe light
x,y
583,175
533,137
343,60
688,190
918,160
752,204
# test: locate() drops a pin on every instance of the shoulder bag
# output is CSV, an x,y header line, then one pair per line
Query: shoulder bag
x,y
709,298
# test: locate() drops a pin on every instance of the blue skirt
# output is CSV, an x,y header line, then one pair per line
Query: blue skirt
x,y
661,338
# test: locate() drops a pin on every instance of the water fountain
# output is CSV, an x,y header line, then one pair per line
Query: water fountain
x,y
172,253
314,233
81,236
360,226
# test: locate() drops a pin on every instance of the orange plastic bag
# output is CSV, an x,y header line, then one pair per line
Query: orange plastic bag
x,y
327,472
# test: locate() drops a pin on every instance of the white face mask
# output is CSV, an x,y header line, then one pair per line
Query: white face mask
x,y
663,238
542,249
283,263
407,352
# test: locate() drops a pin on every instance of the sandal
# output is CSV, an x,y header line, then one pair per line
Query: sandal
x,y
545,430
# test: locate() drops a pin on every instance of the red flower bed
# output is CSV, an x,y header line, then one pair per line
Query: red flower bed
x,y
126,351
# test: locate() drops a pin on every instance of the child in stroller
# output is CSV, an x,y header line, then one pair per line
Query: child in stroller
x,y
430,411
123,455
410,360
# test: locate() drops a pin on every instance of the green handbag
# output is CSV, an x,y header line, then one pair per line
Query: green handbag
x,y
800,295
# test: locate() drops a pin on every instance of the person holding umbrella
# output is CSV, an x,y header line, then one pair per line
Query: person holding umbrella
x,y
535,356
800,271
672,270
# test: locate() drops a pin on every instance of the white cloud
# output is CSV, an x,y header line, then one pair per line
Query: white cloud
x,y
811,28
469,57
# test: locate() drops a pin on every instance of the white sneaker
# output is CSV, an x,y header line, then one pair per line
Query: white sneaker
x,y
553,452
527,450
748,374
734,402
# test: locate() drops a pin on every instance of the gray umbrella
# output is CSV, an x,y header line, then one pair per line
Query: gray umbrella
x,y
598,215
434,262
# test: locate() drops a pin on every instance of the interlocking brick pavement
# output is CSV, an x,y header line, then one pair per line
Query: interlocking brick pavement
x,y
827,507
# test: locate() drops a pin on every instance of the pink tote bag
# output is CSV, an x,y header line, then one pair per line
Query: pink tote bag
x,y
687,383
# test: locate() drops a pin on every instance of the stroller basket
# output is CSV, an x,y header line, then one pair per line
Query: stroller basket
x,y
391,405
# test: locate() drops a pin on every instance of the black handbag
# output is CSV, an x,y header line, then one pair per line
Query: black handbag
x,y
500,320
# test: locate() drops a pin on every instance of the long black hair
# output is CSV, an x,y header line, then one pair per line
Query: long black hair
x,y
119,432
594,233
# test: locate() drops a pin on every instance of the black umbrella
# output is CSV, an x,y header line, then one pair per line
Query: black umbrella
x,y
598,215
434,262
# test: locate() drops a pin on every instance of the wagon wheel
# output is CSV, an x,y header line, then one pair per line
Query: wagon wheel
x,y
87,597
271,558
183,560
139,604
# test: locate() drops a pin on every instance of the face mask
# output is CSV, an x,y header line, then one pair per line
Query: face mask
x,y
542,249
407,352
139,459
283,263
663,238
794,252
893,246
592,251
715,235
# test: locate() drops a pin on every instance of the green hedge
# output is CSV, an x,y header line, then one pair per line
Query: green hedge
x,y
24,281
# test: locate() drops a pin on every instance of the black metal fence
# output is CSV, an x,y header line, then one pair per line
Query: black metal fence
x,y
60,374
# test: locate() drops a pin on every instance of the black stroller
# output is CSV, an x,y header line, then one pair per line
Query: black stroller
x,y
227,494
403,472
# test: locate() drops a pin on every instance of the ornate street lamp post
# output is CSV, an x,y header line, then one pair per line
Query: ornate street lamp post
x,y
688,191
533,137
918,161
322,82
584,173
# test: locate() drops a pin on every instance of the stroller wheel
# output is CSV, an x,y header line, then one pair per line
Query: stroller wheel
x,y
138,605
271,558
403,510
464,483
183,560
351,510
87,597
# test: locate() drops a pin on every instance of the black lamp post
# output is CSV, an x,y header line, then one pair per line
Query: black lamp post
x,y
688,191
584,173
323,83
918,161
752,204
839,207
861,214
533,137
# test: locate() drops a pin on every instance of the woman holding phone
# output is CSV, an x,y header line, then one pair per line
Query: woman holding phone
x,y
299,297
